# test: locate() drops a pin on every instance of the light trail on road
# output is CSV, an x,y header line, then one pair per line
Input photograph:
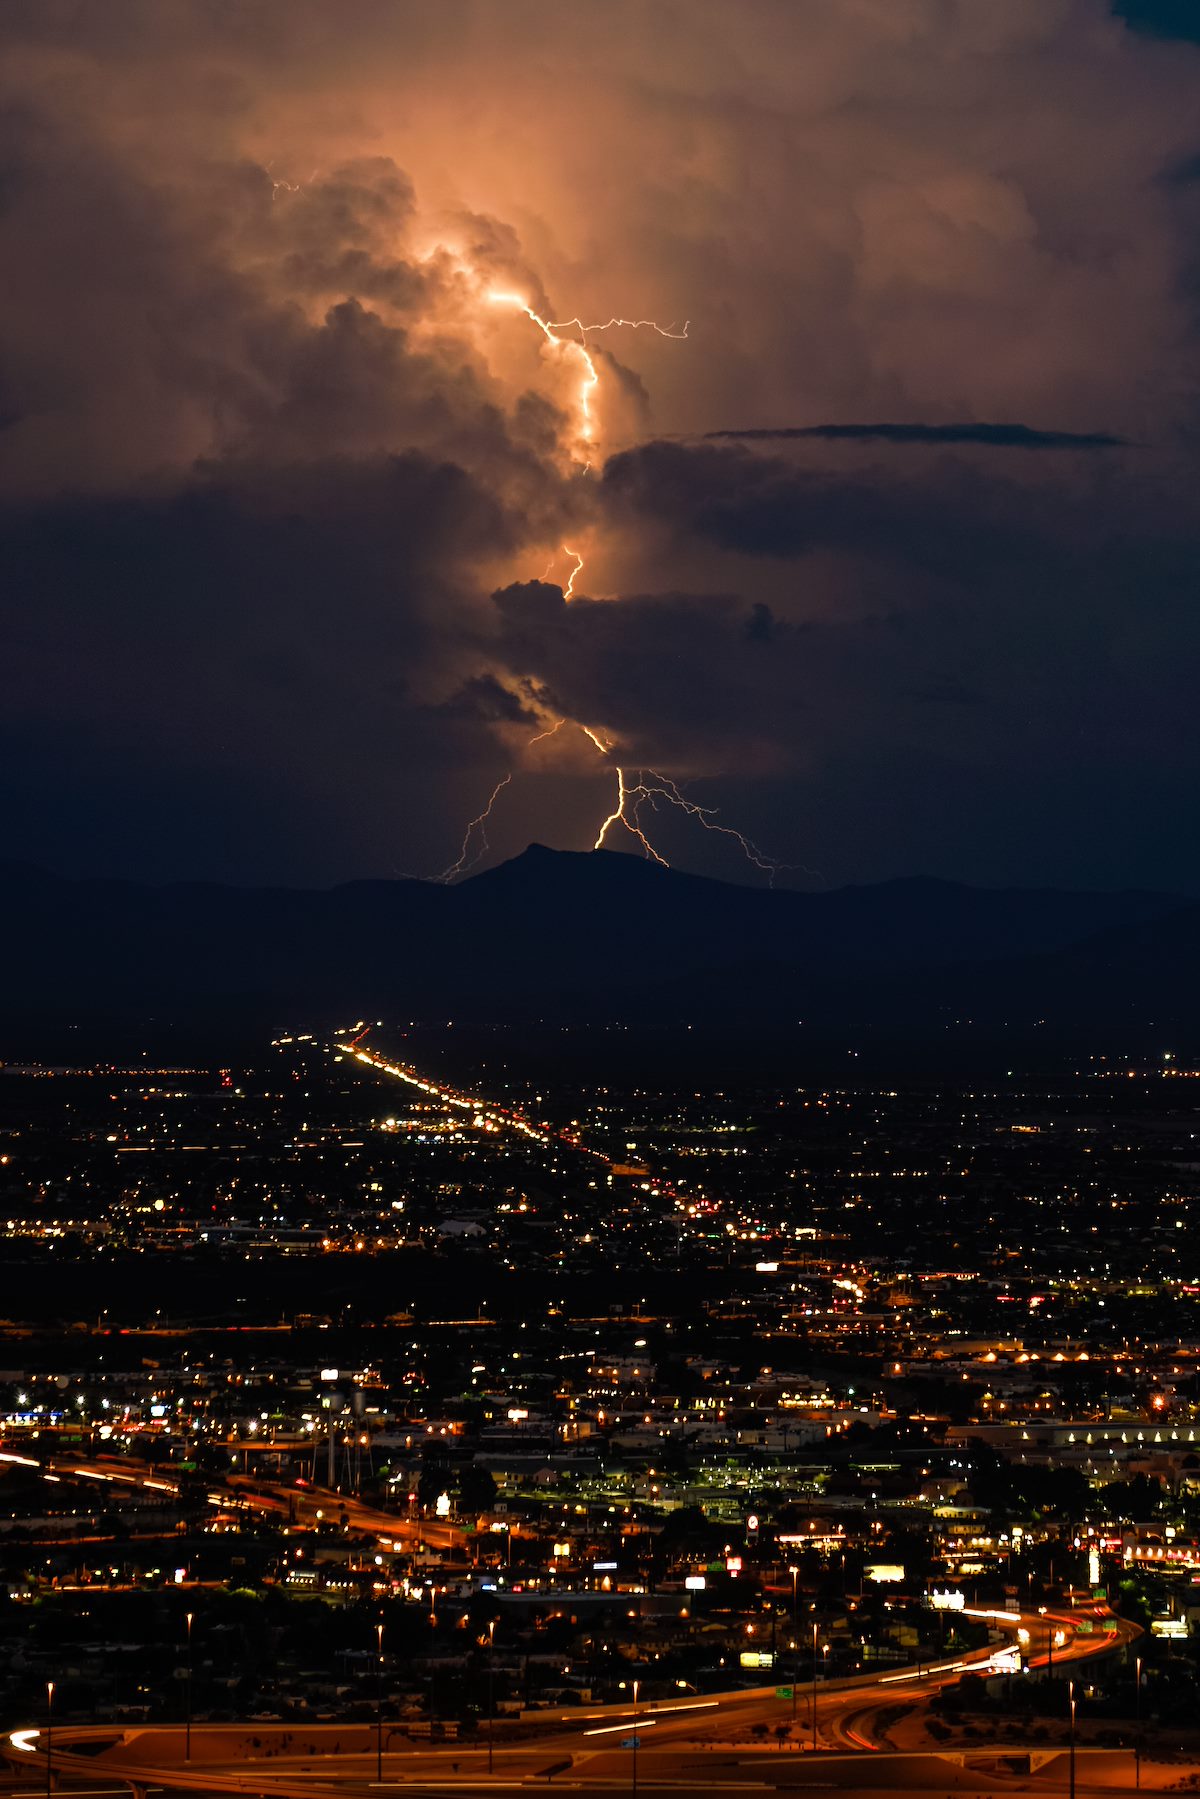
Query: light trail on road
x,y
680,1737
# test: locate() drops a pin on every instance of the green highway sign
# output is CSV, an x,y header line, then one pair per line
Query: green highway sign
x,y
783,1693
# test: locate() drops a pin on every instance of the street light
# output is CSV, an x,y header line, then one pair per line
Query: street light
x,y
635,1738
491,1688
1137,1727
49,1732
1071,1699
379,1702
187,1731
795,1573
814,1689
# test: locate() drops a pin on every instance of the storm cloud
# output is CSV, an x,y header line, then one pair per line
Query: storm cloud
x,y
1000,437
288,503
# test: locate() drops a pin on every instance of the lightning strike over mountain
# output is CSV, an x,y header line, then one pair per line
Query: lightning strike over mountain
x,y
465,859
704,815
632,794
626,815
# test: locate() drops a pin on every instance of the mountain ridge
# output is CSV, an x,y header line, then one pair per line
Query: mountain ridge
x,y
595,937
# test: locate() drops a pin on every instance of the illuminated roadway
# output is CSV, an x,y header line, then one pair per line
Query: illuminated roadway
x,y
700,1741
301,1505
491,1116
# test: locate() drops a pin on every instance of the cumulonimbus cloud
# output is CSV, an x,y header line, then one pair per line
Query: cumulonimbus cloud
x,y
268,455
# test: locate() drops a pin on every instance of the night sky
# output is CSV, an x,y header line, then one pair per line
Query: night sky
x,y
891,558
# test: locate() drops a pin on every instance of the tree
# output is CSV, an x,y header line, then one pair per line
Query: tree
x,y
476,1489
432,1483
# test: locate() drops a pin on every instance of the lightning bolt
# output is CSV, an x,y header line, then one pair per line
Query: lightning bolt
x,y
465,859
633,794
626,813
630,324
550,731
588,381
704,815
280,186
590,378
640,787
569,589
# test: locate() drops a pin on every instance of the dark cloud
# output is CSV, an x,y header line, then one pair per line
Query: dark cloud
x,y
489,700
1016,437
763,506
1161,18
271,637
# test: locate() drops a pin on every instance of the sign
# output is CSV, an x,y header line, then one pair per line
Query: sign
x,y
947,1599
785,1693
885,1571
631,1742
695,1583
756,1658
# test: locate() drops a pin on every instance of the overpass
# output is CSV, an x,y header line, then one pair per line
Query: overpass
x,y
706,1739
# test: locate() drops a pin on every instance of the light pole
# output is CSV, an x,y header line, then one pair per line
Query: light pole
x,y
491,1686
1071,1701
814,1689
635,1739
379,1703
187,1729
795,1574
49,1732
1137,1725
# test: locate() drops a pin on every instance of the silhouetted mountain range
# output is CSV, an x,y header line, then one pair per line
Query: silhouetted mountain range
x,y
601,939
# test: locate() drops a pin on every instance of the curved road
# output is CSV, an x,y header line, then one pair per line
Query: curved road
x,y
705,1740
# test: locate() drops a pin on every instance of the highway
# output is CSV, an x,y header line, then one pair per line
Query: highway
x,y
306,1504
722,1739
